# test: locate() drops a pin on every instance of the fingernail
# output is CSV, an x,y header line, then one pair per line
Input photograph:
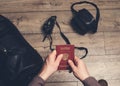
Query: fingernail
x,y
61,55
54,50
69,60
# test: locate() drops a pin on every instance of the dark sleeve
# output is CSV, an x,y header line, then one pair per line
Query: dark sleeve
x,y
90,81
37,81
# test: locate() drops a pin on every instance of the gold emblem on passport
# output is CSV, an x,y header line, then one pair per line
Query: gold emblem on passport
x,y
65,56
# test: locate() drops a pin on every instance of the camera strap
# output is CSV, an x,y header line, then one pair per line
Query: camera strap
x,y
61,33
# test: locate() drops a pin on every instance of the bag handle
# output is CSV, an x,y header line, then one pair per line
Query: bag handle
x,y
82,2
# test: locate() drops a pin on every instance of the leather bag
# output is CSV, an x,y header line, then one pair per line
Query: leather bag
x,y
83,21
19,61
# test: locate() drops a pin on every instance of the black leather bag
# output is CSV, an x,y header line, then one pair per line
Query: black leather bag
x,y
83,21
19,62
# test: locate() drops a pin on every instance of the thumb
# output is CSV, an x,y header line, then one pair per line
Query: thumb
x,y
72,65
59,58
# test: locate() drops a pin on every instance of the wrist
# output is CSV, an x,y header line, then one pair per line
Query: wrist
x,y
84,77
44,75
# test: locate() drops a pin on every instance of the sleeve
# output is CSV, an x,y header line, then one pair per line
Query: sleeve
x,y
37,81
90,81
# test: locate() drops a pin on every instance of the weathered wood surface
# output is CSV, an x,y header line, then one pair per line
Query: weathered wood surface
x,y
106,43
94,42
62,84
106,67
112,42
103,59
50,5
33,21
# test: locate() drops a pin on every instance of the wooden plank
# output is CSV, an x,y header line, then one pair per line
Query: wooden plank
x,y
104,67
80,83
112,42
113,82
32,22
62,76
109,70
94,43
110,82
102,59
61,84
51,5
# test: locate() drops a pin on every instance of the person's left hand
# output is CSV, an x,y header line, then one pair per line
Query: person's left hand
x,y
51,65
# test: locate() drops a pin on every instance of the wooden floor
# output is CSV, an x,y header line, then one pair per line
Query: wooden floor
x,y
103,60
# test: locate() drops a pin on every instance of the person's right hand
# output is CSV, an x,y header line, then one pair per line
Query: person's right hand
x,y
79,68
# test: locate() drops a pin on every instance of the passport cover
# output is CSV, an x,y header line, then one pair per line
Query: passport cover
x,y
68,53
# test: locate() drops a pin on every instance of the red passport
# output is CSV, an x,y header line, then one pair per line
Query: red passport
x,y
68,53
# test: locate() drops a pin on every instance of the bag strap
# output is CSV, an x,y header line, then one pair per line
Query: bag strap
x,y
82,2
67,41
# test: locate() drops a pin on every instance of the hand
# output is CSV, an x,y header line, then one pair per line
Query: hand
x,y
51,65
79,68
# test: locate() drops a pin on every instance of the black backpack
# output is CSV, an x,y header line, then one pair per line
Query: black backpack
x,y
19,62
